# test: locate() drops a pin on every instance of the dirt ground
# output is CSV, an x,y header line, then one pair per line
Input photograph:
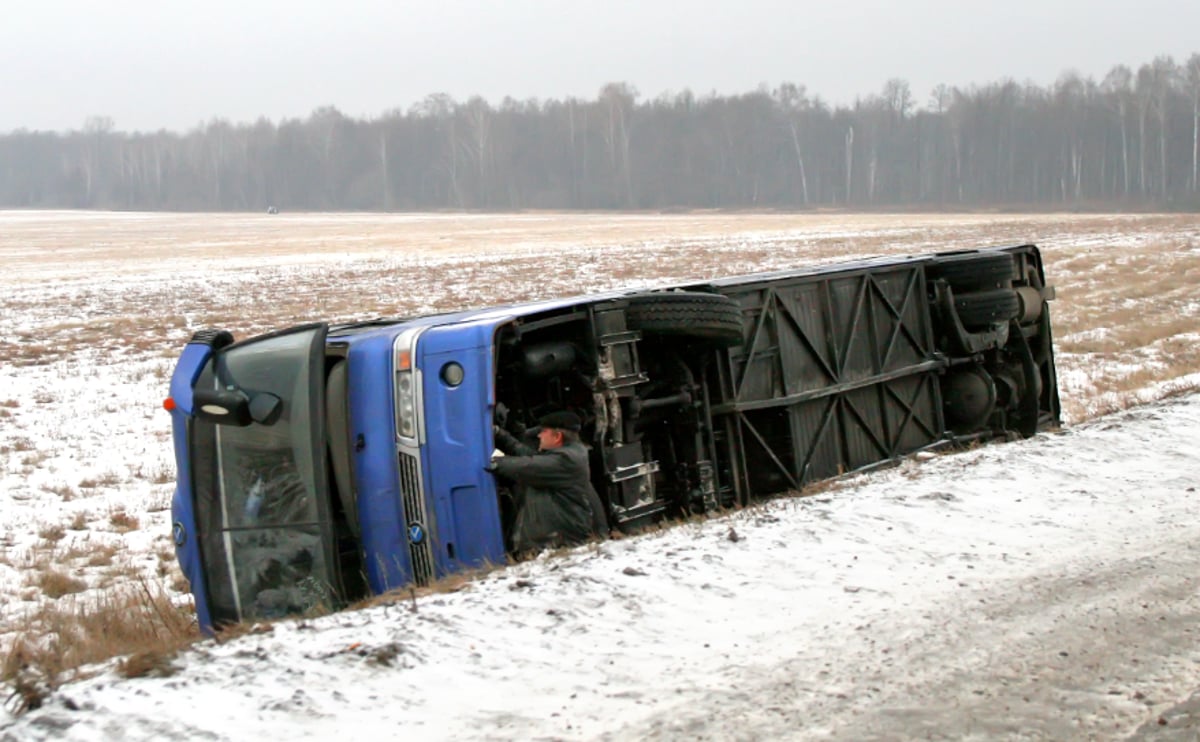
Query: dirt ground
x,y
1127,315
77,244
1180,723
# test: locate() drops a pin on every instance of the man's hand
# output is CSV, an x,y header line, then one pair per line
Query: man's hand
x,y
491,465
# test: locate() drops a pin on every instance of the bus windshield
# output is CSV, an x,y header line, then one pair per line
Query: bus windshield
x,y
261,489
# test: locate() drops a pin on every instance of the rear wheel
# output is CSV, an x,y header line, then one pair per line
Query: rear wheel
x,y
987,308
711,318
973,271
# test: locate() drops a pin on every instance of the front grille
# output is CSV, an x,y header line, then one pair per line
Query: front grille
x,y
421,549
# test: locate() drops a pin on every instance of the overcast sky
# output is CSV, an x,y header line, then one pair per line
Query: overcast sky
x,y
151,64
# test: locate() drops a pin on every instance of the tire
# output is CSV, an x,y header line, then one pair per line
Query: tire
x,y
987,308
973,271
708,318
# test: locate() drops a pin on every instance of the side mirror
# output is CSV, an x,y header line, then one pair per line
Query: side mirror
x,y
234,407
265,408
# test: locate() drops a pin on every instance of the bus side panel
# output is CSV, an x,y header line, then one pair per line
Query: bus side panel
x,y
456,363
373,432
839,371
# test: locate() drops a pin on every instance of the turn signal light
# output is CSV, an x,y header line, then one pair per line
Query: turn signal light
x,y
403,360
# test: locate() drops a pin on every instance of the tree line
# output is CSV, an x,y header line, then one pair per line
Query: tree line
x,y
1130,140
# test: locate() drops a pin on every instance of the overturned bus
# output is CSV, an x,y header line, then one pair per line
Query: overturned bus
x,y
321,464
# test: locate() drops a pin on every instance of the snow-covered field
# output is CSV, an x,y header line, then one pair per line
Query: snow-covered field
x,y
1044,589
1041,589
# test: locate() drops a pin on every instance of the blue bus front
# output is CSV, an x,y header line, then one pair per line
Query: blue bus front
x,y
317,466
427,505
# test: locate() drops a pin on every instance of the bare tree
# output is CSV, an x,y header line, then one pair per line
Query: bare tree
x,y
618,100
1164,74
577,135
479,144
793,100
1144,94
439,109
898,97
383,169
1069,94
849,161
1118,85
1192,76
97,130
940,97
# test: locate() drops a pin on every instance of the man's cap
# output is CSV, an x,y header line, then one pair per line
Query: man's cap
x,y
562,420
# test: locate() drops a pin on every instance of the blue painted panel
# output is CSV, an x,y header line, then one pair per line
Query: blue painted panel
x,y
458,429
376,472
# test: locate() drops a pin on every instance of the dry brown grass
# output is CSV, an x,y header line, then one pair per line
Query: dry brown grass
x,y
1121,401
149,318
179,583
448,584
166,565
147,663
1127,321
159,502
106,479
65,491
35,459
102,555
58,642
51,533
78,550
123,522
55,584
157,474
20,443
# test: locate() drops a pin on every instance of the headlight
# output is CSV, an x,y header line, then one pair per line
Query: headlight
x,y
407,386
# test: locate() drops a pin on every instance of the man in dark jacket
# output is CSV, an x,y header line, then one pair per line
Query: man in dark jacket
x,y
556,503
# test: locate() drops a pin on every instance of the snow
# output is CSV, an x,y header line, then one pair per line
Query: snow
x,y
1038,589
991,593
